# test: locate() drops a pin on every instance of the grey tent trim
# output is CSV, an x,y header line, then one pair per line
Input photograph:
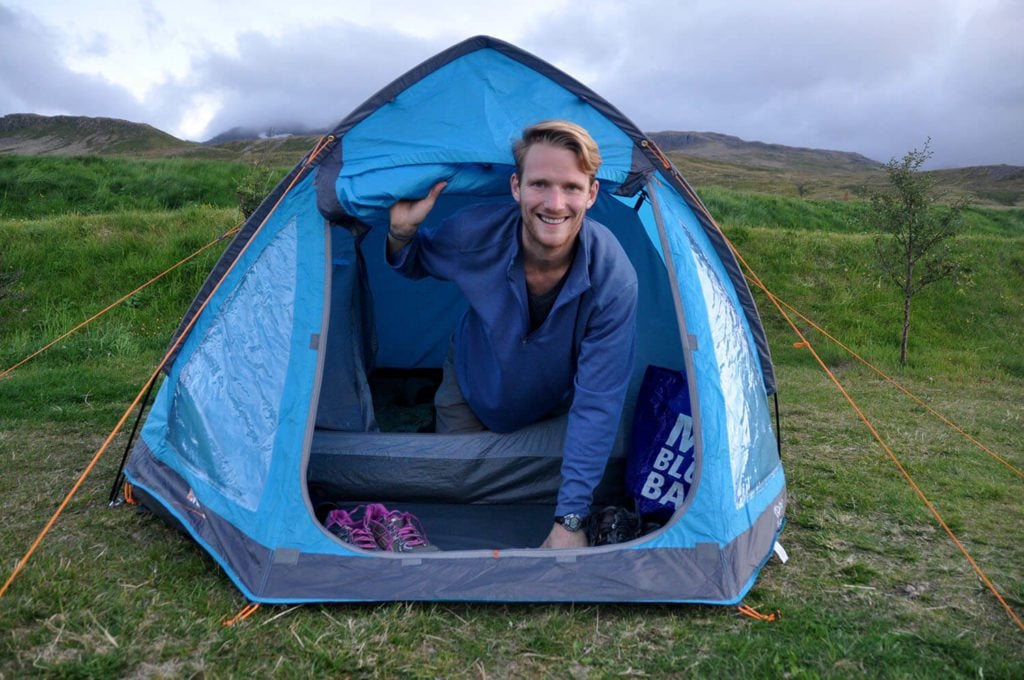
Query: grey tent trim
x,y
714,575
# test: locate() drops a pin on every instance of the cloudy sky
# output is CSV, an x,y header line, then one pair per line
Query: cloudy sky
x,y
874,76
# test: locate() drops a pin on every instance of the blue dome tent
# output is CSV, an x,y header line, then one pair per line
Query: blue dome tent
x,y
272,404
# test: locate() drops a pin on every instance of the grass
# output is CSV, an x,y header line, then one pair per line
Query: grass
x,y
792,182
834,281
996,187
751,209
37,186
873,587
71,266
872,582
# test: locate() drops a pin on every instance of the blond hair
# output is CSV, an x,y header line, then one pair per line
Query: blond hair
x,y
562,134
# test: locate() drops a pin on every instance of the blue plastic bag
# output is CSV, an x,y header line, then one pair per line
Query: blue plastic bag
x,y
661,465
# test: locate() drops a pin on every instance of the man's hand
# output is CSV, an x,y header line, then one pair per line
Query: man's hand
x,y
562,538
406,216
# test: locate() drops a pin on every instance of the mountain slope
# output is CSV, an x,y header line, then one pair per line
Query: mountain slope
x,y
705,158
718,147
248,134
30,134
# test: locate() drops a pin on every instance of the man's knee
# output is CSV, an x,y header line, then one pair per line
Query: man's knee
x,y
454,416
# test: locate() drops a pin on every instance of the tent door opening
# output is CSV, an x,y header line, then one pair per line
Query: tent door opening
x,y
386,342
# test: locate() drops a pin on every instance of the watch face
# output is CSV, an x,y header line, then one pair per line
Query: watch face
x,y
571,522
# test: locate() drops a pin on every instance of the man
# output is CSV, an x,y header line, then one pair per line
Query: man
x,y
552,309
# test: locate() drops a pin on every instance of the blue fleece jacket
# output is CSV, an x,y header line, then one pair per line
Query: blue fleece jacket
x,y
512,377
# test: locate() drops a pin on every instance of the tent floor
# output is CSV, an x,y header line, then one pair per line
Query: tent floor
x,y
474,527
403,403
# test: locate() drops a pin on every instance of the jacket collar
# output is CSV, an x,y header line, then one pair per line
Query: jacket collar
x,y
578,280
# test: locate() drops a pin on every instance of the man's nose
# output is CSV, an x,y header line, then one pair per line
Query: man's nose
x,y
555,199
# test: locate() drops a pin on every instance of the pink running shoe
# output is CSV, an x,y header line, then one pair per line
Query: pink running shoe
x,y
345,526
396,531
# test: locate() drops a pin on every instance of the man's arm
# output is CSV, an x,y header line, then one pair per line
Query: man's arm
x,y
603,373
408,215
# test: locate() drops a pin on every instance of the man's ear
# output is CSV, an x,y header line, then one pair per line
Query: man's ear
x,y
514,183
592,198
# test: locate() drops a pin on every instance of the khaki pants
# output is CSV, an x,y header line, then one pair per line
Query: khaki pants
x,y
453,413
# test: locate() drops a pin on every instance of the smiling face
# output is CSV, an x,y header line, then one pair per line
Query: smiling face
x,y
553,195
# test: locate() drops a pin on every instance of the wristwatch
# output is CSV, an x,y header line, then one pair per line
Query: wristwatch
x,y
571,522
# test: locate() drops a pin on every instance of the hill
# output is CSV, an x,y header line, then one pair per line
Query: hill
x,y
998,184
706,159
718,147
242,133
709,159
29,134
277,147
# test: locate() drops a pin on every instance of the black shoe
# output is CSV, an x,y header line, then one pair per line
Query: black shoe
x,y
613,525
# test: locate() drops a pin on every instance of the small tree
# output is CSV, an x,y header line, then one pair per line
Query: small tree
x,y
914,243
253,186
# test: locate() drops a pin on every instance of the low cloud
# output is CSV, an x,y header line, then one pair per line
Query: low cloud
x,y
35,80
280,82
873,77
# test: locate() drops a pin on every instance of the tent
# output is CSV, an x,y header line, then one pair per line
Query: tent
x,y
302,346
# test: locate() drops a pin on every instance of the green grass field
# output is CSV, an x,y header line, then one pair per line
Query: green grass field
x,y
874,586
